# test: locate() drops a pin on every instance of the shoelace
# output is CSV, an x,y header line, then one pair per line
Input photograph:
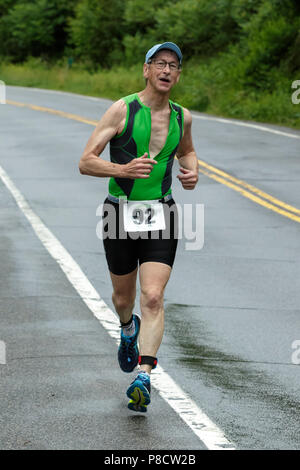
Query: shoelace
x,y
127,344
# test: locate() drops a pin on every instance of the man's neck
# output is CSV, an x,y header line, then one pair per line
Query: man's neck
x,y
153,99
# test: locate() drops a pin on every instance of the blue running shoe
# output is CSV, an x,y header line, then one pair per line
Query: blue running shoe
x,y
139,393
128,352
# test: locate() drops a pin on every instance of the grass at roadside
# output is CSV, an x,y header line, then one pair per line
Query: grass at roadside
x,y
208,88
107,84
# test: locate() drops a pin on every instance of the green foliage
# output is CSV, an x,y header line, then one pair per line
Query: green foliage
x,y
199,26
5,5
141,21
140,15
102,32
240,56
106,83
33,28
97,30
135,47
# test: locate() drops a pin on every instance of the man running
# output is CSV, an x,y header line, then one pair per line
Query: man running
x,y
145,130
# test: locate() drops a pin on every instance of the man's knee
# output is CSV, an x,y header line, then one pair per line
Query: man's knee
x,y
153,298
123,301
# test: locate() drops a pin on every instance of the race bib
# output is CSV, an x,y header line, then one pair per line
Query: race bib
x,y
142,216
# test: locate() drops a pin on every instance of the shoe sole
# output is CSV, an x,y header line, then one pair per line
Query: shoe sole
x,y
139,397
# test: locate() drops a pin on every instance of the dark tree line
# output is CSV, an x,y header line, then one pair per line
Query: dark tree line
x,y
261,33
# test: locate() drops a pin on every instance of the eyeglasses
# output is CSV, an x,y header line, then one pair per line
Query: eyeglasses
x,y
161,64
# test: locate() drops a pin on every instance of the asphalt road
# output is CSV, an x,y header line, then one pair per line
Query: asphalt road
x,y
232,307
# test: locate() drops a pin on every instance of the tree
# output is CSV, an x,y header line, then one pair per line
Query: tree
x,y
200,27
36,28
97,30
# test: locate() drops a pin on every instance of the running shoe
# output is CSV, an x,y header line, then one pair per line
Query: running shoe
x,y
128,352
139,393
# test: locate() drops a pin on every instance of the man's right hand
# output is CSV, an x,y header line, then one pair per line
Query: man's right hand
x,y
138,167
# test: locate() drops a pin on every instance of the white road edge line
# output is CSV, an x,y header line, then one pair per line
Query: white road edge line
x,y
235,122
189,412
247,124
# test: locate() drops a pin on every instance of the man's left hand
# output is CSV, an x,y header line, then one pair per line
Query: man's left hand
x,y
188,178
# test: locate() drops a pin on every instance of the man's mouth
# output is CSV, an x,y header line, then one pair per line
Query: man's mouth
x,y
166,80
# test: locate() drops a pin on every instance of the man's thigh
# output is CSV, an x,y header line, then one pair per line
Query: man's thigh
x,y
124,285
154,276
121,256
121,253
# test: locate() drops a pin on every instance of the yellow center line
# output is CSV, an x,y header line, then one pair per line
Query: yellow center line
x,y
251,196
74,117
250,187
210,171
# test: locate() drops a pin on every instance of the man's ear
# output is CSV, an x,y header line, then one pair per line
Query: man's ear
x,y
146,71
178,77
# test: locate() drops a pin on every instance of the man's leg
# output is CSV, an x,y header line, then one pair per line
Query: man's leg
x,y
124,292
153,280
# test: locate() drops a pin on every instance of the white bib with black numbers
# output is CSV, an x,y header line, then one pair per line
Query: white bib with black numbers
x,y
142,216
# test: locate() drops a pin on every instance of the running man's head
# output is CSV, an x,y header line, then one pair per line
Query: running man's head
x,y
163,66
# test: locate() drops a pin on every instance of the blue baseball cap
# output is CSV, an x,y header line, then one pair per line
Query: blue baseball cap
x,y
165,45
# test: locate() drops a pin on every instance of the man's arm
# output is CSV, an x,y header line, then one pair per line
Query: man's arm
x,y
111,124
187,156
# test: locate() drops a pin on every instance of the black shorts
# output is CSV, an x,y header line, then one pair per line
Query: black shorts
x,y
124,251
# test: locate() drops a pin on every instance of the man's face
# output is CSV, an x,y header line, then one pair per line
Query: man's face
x,y
162,79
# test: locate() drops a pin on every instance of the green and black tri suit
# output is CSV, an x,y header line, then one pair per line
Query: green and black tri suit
x,y
134,141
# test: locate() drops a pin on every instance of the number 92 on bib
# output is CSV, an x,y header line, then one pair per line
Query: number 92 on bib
x,y
143,216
